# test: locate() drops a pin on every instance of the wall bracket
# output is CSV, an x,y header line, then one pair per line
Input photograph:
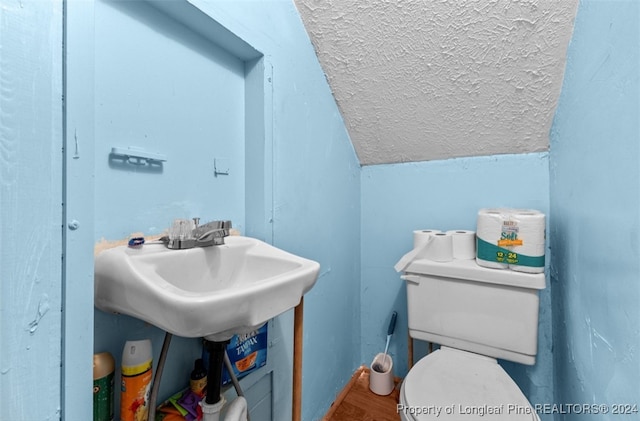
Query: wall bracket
x,y
137,156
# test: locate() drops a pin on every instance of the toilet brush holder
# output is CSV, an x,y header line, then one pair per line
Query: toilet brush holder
x,y
381,375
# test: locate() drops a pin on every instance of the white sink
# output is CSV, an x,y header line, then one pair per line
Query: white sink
x,y
212,292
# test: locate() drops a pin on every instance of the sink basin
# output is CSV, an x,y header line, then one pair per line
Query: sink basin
x,y
211,292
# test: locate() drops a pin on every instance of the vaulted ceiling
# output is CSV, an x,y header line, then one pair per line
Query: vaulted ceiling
x,y
419,80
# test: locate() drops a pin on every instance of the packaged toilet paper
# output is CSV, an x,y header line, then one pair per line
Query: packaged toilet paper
x,y
511,239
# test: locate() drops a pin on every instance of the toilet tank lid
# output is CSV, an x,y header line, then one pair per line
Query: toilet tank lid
x,y
468,383
469,270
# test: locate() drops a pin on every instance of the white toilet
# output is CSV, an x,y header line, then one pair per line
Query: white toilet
x,y
477,315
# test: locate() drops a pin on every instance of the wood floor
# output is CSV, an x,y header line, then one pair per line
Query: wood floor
x,y
357,403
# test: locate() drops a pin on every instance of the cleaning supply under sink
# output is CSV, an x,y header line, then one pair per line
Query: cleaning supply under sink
x,y
198,378
103,375
137,363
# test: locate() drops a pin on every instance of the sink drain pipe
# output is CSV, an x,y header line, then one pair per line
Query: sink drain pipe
x,y
214,401
216,351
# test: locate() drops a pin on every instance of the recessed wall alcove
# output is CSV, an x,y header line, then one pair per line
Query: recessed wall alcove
x,y
166,79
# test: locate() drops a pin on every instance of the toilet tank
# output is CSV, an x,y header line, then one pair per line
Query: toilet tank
x,y
462,305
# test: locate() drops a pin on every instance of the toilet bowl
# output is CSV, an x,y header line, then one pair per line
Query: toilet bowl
x,y
451,384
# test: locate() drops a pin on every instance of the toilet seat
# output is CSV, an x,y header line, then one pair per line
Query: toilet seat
x,y
450,384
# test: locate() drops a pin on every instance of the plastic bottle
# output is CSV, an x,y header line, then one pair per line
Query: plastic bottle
x,y
137,363
103,372
198,379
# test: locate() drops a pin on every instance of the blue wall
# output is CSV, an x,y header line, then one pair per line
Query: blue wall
x,y
595,208
445,195
30,209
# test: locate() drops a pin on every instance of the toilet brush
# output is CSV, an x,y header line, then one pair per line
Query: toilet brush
x,y
392,326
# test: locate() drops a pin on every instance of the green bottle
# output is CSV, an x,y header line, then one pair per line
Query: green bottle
x,y
103,373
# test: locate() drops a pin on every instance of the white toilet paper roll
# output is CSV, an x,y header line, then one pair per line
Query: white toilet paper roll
x,y
420,237
464,244
438,248
425,248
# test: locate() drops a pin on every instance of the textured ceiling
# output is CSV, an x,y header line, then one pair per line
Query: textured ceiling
x,y
426,79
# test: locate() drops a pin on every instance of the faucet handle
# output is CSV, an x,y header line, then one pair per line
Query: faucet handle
x,y
196,221
181,229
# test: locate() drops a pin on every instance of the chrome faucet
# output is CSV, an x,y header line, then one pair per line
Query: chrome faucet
x,y
186,234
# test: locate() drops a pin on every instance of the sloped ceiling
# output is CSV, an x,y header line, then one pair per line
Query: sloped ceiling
x,y
435,79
